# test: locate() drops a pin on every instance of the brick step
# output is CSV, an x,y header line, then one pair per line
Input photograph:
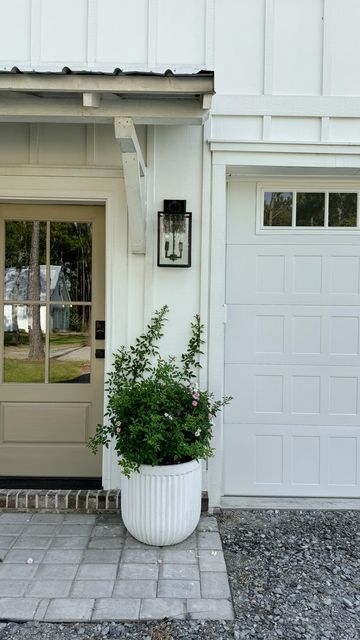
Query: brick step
x,y
68,500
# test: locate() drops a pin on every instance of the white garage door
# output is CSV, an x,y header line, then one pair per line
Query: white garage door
x,y
292,359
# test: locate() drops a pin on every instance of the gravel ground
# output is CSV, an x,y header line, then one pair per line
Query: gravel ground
x,y
293,575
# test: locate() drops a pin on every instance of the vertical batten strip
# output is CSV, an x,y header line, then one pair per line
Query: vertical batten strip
x,y
209,41
267,122
34,133
152,33
269,47
326,60
35,34
325,129
91,52
90,144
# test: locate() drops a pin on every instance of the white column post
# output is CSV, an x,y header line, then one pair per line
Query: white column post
x,y
216,323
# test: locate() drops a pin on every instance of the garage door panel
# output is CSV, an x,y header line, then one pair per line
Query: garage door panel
x,y
293,334
292,356
292,274
304,461
289,394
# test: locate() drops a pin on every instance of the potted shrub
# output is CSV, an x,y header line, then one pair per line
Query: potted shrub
x,y
161,426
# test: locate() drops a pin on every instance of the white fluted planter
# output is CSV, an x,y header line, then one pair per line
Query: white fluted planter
x,y
161,505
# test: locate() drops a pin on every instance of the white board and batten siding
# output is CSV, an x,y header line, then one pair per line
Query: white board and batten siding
x,y
282,70
292,359
291,47
101,35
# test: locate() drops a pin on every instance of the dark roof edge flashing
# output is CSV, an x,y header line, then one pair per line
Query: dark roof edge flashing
x,y
116,72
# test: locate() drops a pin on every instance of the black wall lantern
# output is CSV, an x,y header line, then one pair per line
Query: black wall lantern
x,y
174,235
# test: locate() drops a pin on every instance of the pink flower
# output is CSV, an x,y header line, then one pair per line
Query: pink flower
x,y
194,403
196,395
118,430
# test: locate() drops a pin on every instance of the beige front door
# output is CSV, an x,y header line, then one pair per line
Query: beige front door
x,y
52,295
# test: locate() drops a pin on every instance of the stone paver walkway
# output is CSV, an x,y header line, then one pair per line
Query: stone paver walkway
x,y
67,568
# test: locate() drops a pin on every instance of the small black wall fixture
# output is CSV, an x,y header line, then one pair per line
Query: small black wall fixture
x,y
174,235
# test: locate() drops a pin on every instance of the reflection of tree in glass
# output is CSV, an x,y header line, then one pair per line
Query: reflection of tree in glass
x,y
310,209
18,235
25,250
71,248
342,209
36,346
278,209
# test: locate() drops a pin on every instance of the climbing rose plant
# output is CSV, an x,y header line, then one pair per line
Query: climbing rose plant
x,y
156,413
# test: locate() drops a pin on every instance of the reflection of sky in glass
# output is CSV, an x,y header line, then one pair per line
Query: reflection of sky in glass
x,y
287,195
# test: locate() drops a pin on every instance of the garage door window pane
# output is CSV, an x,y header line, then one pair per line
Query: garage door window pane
x,y
278,208
310,209
342,209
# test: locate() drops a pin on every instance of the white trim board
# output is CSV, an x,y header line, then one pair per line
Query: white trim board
x,y
286,105
304,504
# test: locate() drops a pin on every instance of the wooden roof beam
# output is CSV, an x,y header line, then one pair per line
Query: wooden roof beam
x,y
133,161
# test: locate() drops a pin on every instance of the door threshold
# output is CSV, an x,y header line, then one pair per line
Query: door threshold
x,y
42,482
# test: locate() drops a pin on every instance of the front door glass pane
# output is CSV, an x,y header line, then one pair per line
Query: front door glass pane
x,y
70,259
24,343
70,349
25,260
49,262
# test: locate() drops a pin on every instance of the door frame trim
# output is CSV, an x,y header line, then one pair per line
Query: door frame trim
x,y
88,189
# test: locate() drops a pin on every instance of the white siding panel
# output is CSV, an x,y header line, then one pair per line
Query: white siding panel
x,y
122,31
298,37
345,47
295,129
14,143
107,150
239,46
178,171
237,128
344,129
62,144
64,31
15,31
181,32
